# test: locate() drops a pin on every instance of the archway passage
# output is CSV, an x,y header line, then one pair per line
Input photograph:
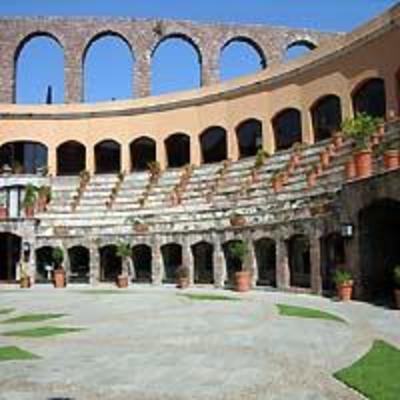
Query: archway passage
x,y
298,48
241,56
142,262
178,150
203,263
249,137
10,254
79,263
107,157
38,82
379,245
299,261
172,259
233,264
370,98
287,128
265,251
71,158
214,145
143,152
24,157
108,68
44,264
332,259
110,264
326,117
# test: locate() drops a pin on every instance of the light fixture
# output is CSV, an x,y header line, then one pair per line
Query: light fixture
x,y
347,230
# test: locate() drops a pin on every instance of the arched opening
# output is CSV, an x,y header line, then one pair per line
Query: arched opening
x,y
241,56
168,75
107,156
265,251
44,264
233,264
172,259
299,261
370,98
142,262
110,263
332,259
213,144
23,157
298,48
326,117
10,255
249,137
79,261
143,152
71,158
99,83
287,128
203,263
379,243
38,82
178,150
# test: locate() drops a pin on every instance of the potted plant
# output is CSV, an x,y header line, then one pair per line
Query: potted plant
x,y
350,169
182,277
29,201
296,154
3,205
261,156
44,197
24,278
237,219
239,251
397,286
140,226
59,272
124,252
277,181
391,158
344,284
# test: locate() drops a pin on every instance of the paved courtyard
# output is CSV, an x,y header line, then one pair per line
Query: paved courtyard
x,y
151,343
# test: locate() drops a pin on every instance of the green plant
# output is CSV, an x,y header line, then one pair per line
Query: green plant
x,y
397,276
261,156
123,250
342,277
58,257
45,192
3,199
154,167
239,250
30,196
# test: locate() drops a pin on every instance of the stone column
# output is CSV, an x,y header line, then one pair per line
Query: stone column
x,y
219,269
94,264
66,263
90,159
307,127
7,77
391,90
157,266
282,265
125,158
52,160
352,258
142,73
268,136
347,105
209,66
251,261
161,154
73,75
315,258
187,259
195,151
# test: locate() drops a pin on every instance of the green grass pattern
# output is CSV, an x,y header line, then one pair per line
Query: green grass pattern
x,y
32,318
11,353
302,312
6,311
40,332
377,374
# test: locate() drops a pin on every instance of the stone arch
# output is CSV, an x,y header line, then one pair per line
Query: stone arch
x,y
249,135
107,154
326,114
142,262
143,151
44,263
369,96
71,158
287,128
172,260
265,253
10,253
299,261
79,264
203,263
177,147
110,263
298,47
214,146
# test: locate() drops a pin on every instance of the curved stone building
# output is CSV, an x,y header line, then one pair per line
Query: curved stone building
x,y
298,236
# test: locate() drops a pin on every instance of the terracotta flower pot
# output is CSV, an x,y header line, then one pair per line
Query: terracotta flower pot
x,y
324,158
277,184
122,281
295,159
25,282
338,140
391,159
182,282
345,291
350,168
243,281
3,212
311,180
141,228
59,278
237,220
29,212
363,161
397,298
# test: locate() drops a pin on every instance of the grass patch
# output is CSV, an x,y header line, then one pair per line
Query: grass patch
x,y
11,353
209,297
44,331
302,312
32,318
377,374
6,311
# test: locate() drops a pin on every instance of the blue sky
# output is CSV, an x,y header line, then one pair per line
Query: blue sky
x,y
337,15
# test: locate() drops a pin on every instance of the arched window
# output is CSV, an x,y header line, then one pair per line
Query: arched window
x,y
298,49
178,150
214,145
176,65
79,260
44,264
10,253
24,157
299,261
107,157
265,250
370,98
172,259
232,262
110,263
71,158
241,56
142,260
203,263
37,81
108,68
143,151
287,128
249,136
326,117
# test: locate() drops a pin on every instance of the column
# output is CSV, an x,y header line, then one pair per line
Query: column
x,y
209,66
157,267
268,137
73,75
391,90
94,264
315,257
187,259
251,262
306,126
142,75
282,265
233,148
7,78
161,154
125,158
195,151
219,268
52,160
90,159
66,263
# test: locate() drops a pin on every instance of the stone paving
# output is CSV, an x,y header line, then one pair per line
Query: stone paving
x,y
150,343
